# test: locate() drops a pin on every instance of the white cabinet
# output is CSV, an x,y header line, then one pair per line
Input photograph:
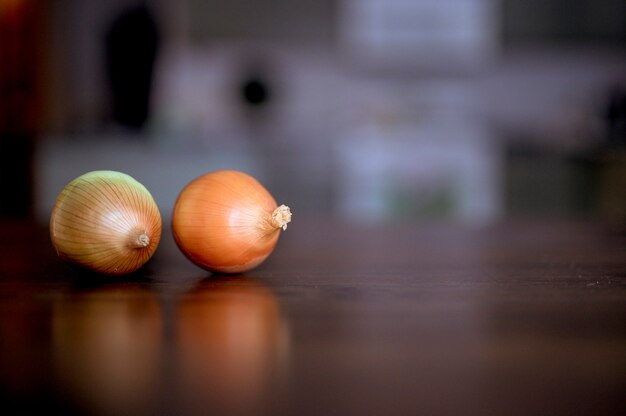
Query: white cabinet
x,y
425,34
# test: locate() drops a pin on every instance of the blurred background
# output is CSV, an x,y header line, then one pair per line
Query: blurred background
x,y
365,110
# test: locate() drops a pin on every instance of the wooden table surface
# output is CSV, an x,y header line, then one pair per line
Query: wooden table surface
x,y
521,318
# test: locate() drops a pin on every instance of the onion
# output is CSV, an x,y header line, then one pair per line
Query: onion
x,y
227,222
105,221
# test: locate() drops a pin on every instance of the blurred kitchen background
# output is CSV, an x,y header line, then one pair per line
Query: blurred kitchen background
x,y
369,110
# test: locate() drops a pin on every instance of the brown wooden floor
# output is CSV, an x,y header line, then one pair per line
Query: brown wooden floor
x,y
514,319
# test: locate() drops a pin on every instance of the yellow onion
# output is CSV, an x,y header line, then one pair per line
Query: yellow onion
x,y
227,222
105,221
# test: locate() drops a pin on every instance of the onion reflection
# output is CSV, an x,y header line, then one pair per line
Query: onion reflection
x,y
23,338
233,343
107,348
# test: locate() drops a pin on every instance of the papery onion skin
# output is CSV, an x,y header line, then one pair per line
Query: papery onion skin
x,y
105,221
227,222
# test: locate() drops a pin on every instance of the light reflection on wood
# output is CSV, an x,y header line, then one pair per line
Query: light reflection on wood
x,y
232,345
107,348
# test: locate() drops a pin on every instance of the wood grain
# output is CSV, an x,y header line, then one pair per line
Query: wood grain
x,y
402,319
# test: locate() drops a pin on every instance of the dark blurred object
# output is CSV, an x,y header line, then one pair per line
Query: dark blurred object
x,y
615,115
611,185
131,48
16,177
579,21
544,182
611,173
19,66
589,183
255,91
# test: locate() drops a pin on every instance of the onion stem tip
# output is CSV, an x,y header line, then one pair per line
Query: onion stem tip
x,y
143,240
281,217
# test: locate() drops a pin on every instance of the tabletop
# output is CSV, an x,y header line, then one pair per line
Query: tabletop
x,y
516,318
